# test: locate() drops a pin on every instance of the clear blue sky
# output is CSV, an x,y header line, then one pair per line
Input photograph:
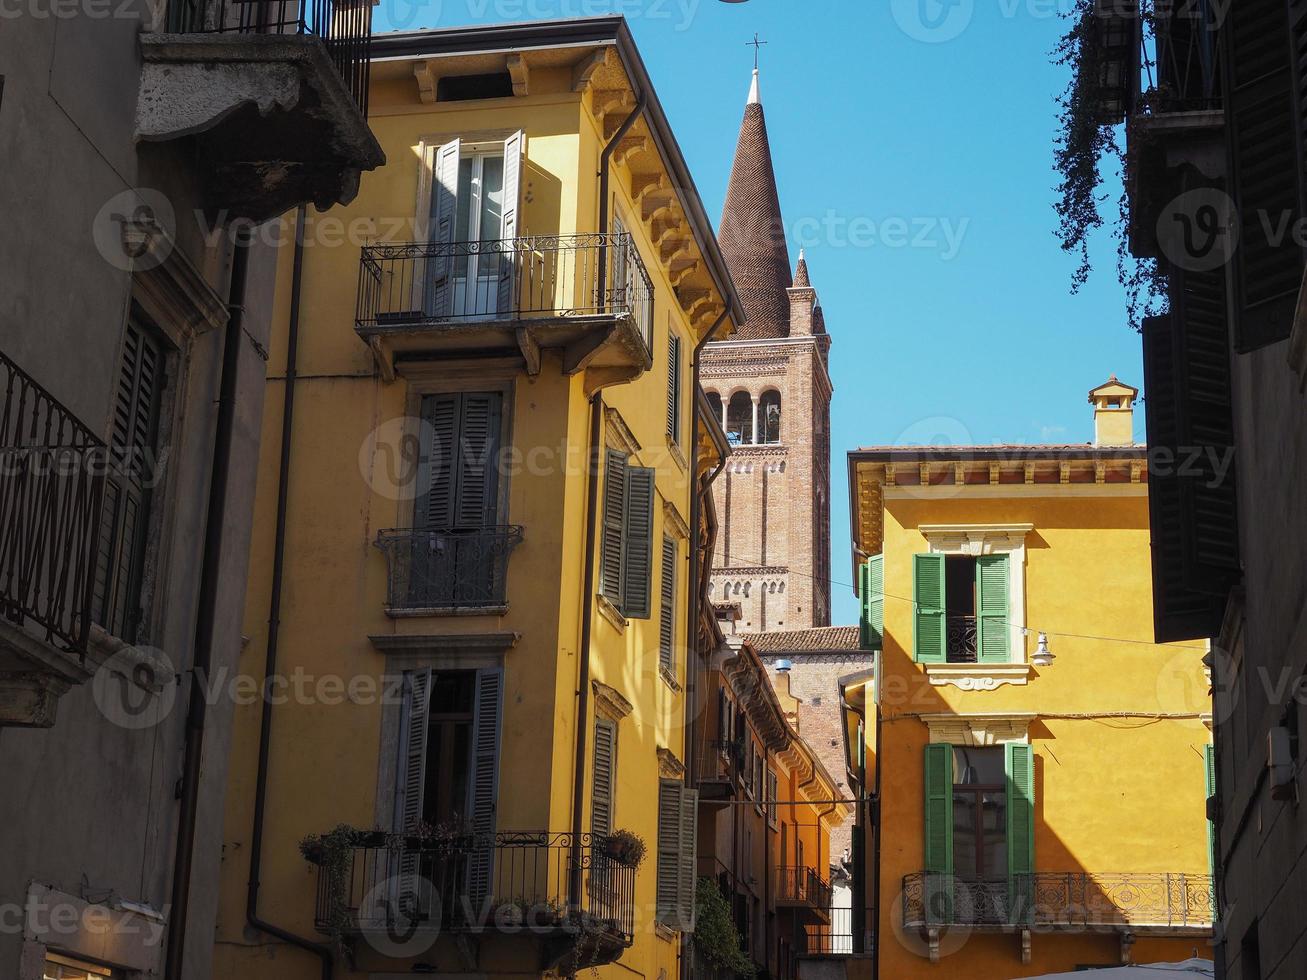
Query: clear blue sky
x,y
869,123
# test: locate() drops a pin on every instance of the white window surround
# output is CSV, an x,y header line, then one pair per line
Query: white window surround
x,y
979,729
975,540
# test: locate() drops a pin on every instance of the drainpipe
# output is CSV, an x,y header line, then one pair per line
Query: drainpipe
x,y
876,835
605,159
319,950
574,884
197,708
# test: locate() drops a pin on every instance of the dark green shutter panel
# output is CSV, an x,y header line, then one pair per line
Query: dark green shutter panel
x,y
1264,170
637,546
667,610
939,808
478,460
1020,763
614,519
1180,612
674,388
993,604
667,898
605,767
411,780
483,784
928,629
689,849
871,589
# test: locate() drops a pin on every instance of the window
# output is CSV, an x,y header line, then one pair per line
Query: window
x,y
871,592
769,411
133,451
677,829
605,769
59,967
463,88
474,201
715,403
772,786
674,388
667,612
627,541
961,609
979,814
739,419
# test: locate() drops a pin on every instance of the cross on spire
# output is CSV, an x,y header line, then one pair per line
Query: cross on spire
x,y
757,44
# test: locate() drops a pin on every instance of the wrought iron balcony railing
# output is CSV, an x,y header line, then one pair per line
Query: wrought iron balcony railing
x,y
801,886
425,284
52,472
508,884
963,639
1159,58
447,569
344,26
1074,900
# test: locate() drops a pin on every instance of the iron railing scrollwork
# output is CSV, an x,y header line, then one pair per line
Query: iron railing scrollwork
x,y
963,640
512,882
448,569
430,283
1052,900
343,26
52,473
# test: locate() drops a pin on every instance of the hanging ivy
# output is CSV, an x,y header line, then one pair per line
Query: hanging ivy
x,y
1083,148
715,935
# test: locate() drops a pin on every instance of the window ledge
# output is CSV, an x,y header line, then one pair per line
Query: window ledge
x,y
978,677
669,678
664,932
427,612
675,451
610,612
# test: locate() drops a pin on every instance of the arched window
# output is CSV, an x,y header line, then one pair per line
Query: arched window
x,y
769,418
715,401
739,419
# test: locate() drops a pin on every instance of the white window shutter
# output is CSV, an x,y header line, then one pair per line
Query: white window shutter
x,y
508,264
444,208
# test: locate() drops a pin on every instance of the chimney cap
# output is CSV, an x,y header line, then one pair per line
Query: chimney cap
x,y
1113,388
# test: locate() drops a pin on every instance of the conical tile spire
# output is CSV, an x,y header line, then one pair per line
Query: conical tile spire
x,y
752,236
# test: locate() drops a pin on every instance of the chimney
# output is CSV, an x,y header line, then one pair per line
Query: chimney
x,y
1114,413
802,300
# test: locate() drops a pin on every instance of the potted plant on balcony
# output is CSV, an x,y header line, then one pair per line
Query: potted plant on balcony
x,y
625,847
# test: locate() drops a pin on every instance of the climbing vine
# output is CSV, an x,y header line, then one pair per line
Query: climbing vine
x,y
715,935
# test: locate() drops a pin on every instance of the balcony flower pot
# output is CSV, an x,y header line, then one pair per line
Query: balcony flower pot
x,y
625,848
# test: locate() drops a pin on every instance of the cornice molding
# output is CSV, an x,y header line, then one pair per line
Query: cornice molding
x,y
669,766
610,702
979,729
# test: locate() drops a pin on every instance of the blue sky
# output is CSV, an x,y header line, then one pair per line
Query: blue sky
x,y
893,121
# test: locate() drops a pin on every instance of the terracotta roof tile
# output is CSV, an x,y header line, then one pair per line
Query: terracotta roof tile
x,y
818,640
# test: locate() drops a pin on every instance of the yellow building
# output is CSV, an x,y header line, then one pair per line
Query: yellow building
x,y
473,581
1039,763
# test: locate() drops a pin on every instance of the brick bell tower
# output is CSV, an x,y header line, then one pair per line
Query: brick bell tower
x,y
771,386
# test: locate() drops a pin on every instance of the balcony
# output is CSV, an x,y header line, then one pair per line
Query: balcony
x,y
447,573
588,297
1163,904
716,772
802,887
962,639
501,886
52,471
274,94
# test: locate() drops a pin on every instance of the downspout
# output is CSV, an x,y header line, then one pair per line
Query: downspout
x,y
574,884
197,708
319,950
876,837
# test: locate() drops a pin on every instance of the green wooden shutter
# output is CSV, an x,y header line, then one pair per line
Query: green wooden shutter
x,y
928,630
483,785
637,543
871,589
1263,168
689,848
939,808
1020,765
993,606
667,610
614,517
605,768
667,898
674,387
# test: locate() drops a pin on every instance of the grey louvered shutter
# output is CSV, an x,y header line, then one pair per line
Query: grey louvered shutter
x,y
637,546
437,462
1180,612
483,786
614,519
444,209
689,839
475,503
667,610
605,769
668,903
674,388
508,258
1264,170
411,775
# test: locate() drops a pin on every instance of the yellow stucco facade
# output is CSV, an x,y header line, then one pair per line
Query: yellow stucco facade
x,y
373,631
1090,846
